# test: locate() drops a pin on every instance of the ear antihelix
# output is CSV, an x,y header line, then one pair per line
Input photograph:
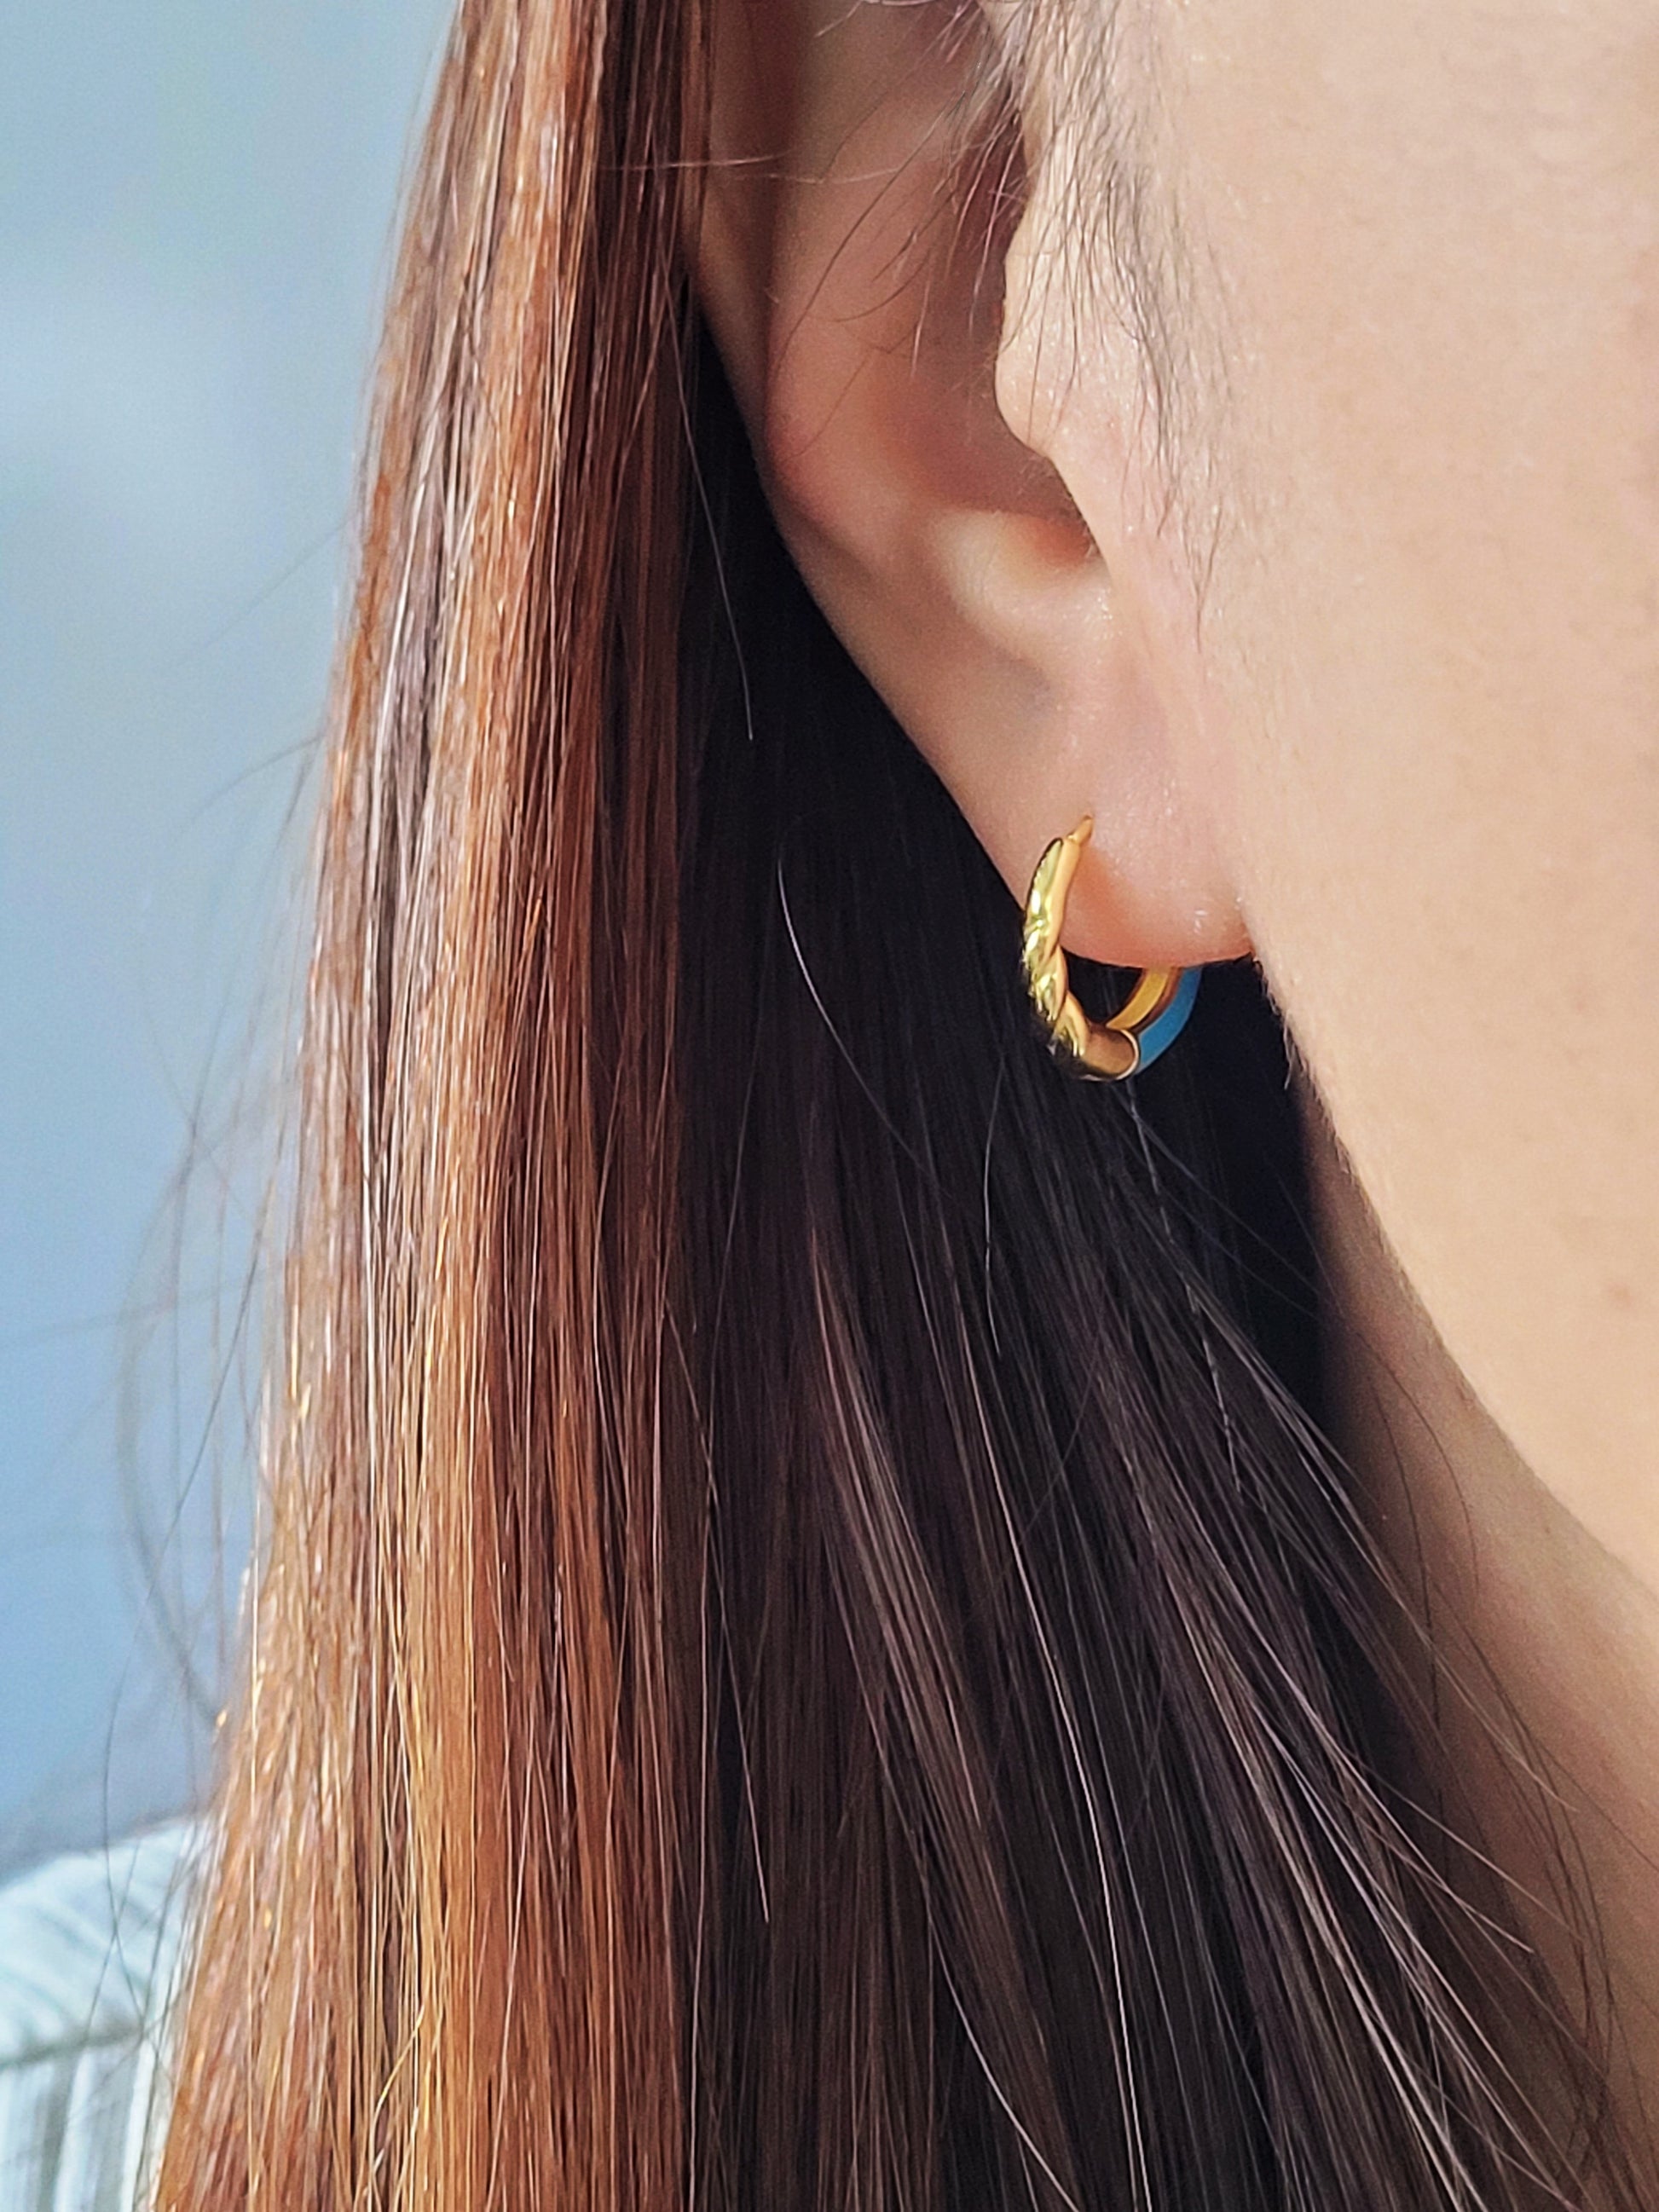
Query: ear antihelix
x,y
1150,1019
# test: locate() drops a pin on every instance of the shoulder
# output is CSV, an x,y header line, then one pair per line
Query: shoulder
x,y
89,1950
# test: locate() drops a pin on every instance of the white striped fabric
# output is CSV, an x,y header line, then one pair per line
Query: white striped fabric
x,y
89,1949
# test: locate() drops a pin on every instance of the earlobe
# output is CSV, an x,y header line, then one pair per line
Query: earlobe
x,y
855,288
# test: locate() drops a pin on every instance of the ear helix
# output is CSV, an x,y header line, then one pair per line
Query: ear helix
x,y
1150,1020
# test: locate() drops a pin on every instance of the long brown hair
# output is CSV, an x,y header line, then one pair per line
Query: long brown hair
x,y
808,1650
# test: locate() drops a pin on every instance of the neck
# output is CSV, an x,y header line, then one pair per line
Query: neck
x,y
1545,1647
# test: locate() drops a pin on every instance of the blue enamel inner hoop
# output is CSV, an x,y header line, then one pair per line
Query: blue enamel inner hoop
x,y
1161,1033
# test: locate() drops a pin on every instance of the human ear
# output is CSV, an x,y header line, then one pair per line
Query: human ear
x,y
864,192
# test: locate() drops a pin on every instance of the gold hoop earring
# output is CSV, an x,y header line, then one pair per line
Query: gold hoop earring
x,y
1150,1020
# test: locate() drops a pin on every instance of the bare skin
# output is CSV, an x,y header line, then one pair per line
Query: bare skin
x,y
1549,1648
1316,554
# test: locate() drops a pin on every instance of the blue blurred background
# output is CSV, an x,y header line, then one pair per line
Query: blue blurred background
x,y
196,210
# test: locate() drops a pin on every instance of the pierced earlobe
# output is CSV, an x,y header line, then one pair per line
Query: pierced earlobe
x,y
1152,1018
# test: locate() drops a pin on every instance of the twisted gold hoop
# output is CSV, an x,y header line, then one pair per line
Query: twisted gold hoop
x,y
1147,1024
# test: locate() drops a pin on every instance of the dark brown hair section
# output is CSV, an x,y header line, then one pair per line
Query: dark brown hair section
x,y
809,1654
